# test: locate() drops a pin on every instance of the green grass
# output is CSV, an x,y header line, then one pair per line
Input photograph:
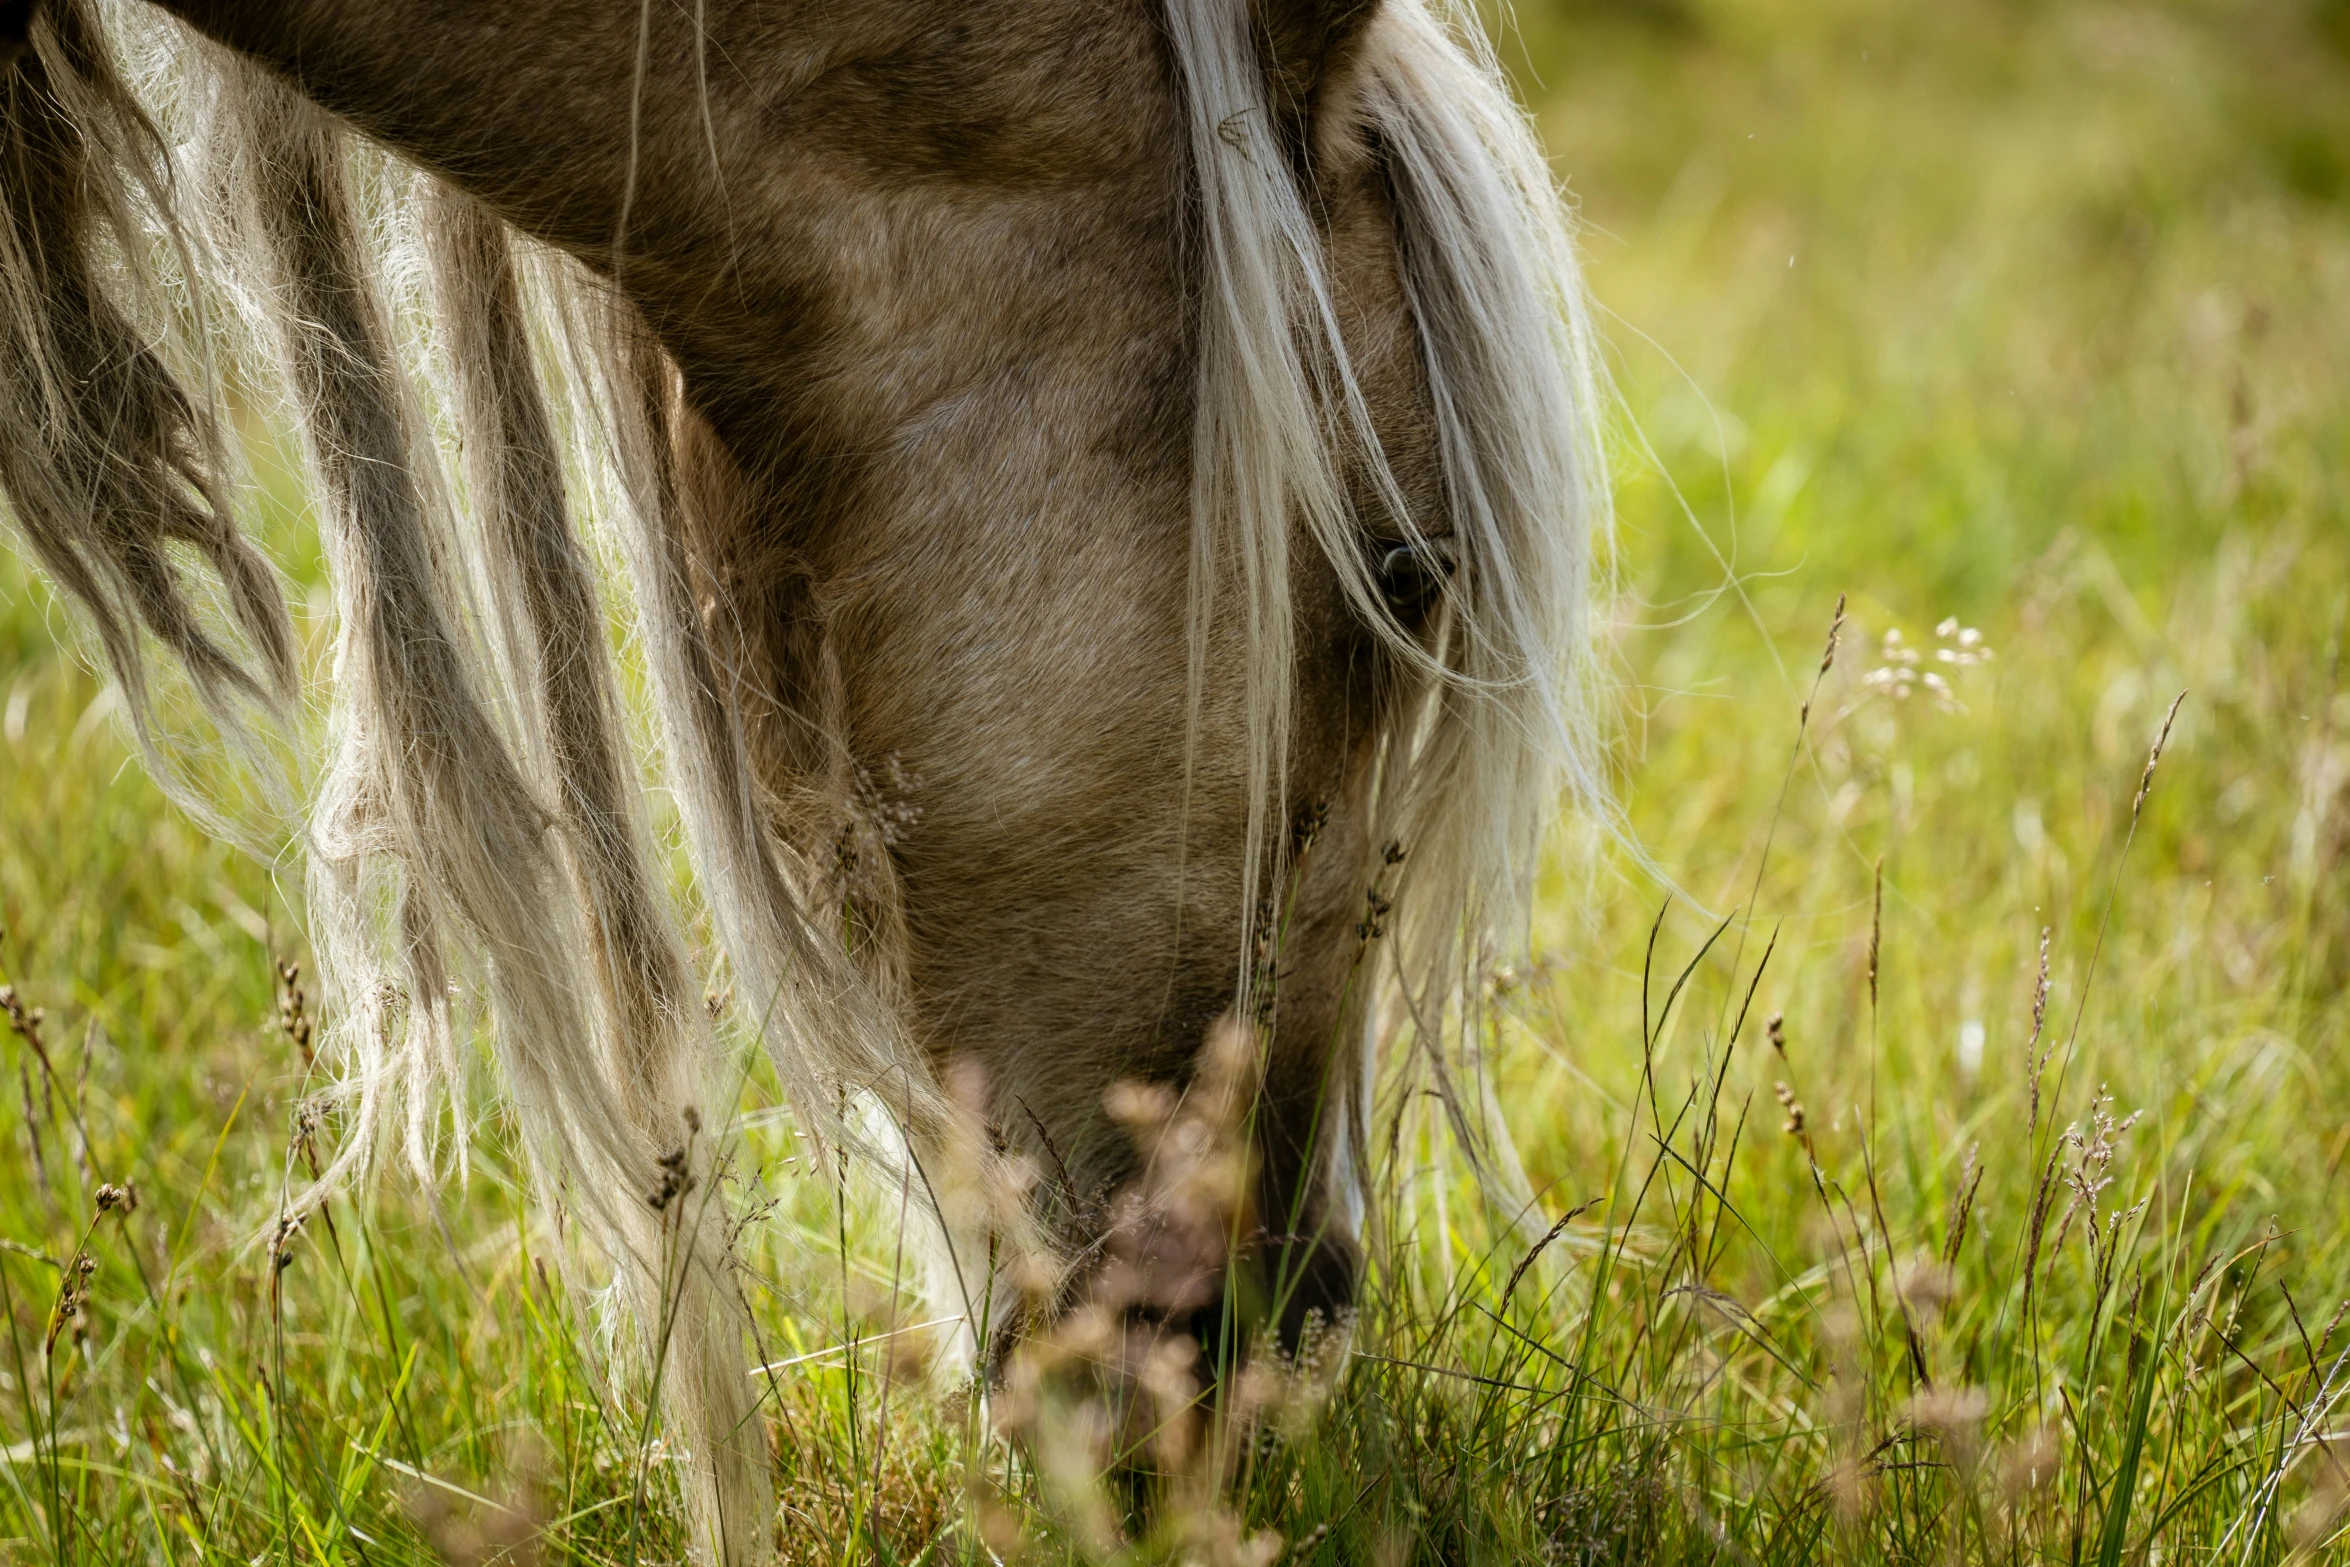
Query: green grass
x,y
2031,317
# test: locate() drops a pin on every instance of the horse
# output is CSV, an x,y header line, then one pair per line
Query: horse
x,y
1106,493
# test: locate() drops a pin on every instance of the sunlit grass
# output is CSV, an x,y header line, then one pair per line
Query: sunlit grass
x,y
2020,329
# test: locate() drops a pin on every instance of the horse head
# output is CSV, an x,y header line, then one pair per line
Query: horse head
x,y
1106,491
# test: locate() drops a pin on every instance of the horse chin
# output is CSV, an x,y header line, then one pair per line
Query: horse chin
x,y
1187,1293
1291,1301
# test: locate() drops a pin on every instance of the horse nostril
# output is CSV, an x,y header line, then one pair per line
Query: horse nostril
x,y
1411,575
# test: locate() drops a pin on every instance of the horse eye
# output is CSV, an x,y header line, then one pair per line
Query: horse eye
x,y
1411,575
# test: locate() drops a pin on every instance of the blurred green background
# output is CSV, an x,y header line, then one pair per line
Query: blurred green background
x,y
2027,320
2031,316
1957,280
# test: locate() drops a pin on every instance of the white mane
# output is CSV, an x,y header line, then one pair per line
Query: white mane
x,y
1473,778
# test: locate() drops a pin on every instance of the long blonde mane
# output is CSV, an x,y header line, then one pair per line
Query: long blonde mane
x,y
1501,729
484,421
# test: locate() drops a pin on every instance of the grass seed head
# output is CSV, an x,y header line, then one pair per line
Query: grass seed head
x,y
2323,1512
1927,1286
1852,1489
1795,1124
1953,1416
2028,1467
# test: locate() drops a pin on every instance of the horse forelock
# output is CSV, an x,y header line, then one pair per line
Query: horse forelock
x,y
1473,771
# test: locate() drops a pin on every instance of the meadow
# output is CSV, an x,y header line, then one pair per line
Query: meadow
x,y
1935,1104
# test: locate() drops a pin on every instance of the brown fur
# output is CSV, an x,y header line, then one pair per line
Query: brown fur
x,y
920,266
